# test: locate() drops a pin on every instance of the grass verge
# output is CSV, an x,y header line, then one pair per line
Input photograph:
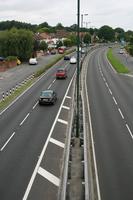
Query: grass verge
x,y
115,62
4,103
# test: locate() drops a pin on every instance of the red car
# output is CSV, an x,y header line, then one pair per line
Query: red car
x,y
61,73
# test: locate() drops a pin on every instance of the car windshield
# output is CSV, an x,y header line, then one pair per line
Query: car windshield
x,y
46,93
60,70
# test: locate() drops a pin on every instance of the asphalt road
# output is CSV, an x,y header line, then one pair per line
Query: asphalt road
x,y
16,75
25,128
111,106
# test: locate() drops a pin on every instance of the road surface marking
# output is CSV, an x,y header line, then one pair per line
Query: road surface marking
x,y
50,177
25,119
54,80
49,86
110,91
129,131
58,143
35,105
68,97
7,141
115,100
121,113
66,107
62,121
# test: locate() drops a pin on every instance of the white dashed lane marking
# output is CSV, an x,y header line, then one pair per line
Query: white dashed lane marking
x,y
50,177
7,141
35,105
25,119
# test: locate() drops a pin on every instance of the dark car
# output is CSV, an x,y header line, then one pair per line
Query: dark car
x,y
61,73
66,58
2,58
47,97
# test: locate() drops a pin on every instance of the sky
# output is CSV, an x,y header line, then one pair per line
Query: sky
x,y
96,13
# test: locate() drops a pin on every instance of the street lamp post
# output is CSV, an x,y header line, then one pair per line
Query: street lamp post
x,y
78,68
82,21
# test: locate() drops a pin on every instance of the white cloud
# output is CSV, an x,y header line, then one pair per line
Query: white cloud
x,y
100,12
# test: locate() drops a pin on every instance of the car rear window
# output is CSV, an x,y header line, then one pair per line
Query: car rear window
x,y
46,93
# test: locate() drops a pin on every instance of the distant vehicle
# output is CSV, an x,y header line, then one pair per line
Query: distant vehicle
x,y
61,50
33,61
121,51
82,51
2,58
61,73
18,62
66,58
47,97
73,60
53,52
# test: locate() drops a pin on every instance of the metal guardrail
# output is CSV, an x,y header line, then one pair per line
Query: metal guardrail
x,y
65,170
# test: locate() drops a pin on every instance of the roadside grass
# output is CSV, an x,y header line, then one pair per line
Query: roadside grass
x,y
8,100
115,62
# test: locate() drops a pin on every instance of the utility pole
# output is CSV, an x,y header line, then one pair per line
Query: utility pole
x,y
78,67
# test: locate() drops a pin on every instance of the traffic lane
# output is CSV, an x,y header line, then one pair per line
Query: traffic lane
x,y
21,109
113,145
122,93
46,177
37,126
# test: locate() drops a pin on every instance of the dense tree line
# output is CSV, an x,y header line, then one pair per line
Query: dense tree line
x,y
17,38
16,42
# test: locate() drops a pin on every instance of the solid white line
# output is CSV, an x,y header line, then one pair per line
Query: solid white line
x,y
62,121
66,107
93,146
25,119
50,177
58,143
121,113
129,131
68,97
45,146
115,100
35,105
7,141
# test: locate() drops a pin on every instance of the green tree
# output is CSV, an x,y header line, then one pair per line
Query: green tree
x,y
43,46
67,42
106,33
87,38
16,42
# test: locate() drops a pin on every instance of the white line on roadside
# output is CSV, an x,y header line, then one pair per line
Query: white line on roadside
x,y
121,113
62,121
53,179
7,141
58,143
25,119
35,105
115,100
129,131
